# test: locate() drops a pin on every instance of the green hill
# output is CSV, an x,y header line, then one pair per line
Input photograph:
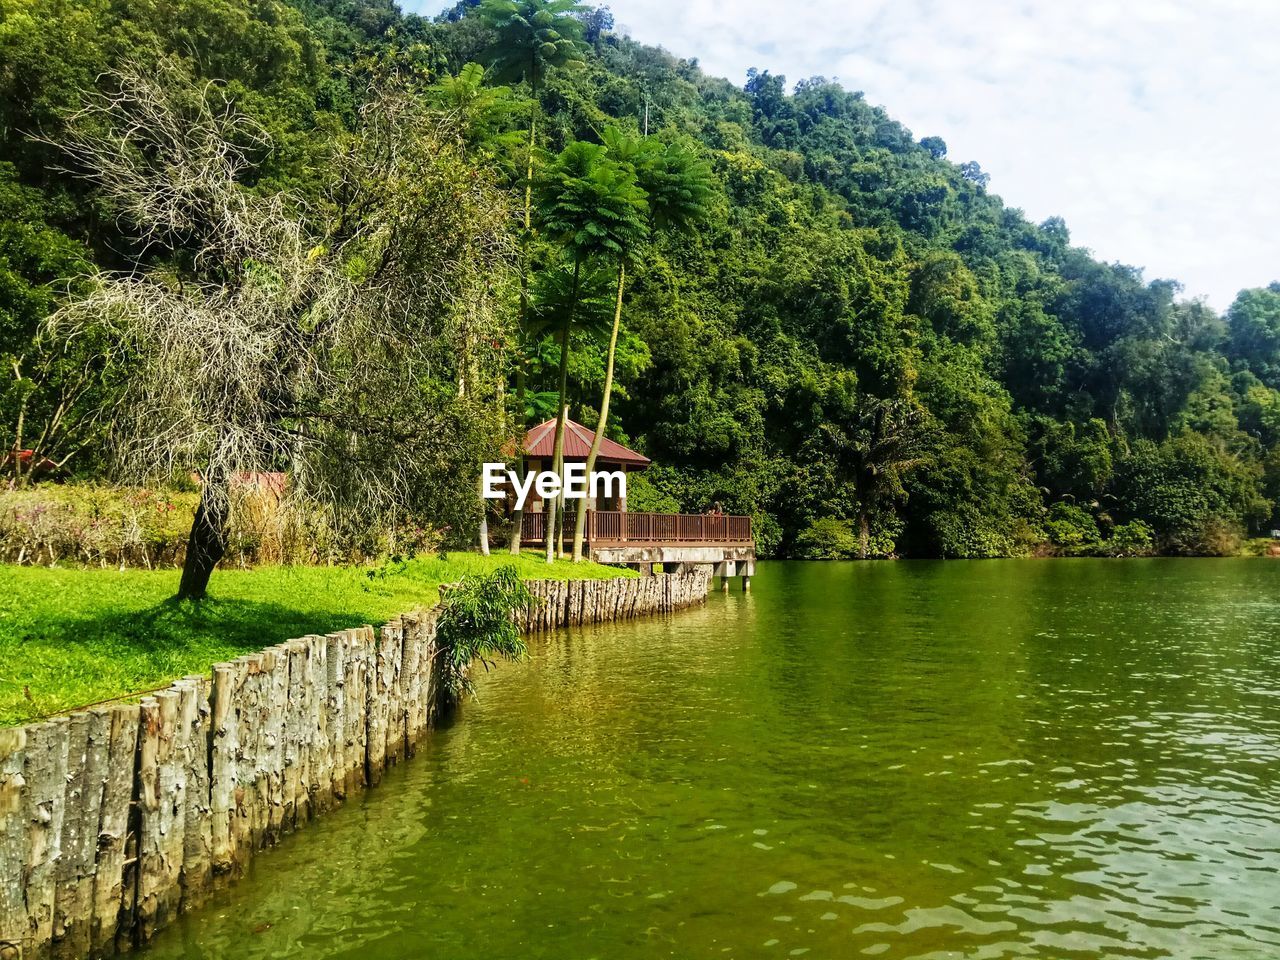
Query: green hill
x,y
858,344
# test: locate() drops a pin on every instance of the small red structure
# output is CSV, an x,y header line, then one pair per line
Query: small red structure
x,y
540,442
614,535
26,461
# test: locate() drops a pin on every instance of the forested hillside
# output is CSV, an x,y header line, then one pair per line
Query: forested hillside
x,y
826,322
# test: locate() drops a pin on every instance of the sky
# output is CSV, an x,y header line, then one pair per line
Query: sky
x,y
1148,125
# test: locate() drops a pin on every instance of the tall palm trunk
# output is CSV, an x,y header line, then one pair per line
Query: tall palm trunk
x,y
557,456
517,515
580,526
562,414
483,532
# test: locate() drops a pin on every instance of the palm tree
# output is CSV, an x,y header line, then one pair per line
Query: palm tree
x,y
479,108
533,37
595,208
874,442
678,186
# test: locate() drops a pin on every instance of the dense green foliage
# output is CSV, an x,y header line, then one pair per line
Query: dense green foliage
x,y
69,637
476,625
859,345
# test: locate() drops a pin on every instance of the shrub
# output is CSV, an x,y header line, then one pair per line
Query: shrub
x,y
103,525
1133,539
827,539
82,523
965,533
1071,528
1196,498
477,623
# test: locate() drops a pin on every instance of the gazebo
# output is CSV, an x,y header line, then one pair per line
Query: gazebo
x,y
674,541
539,449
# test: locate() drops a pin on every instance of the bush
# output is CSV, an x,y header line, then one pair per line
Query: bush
x,y
1133,539
1196,498
82,523
1071,529
476,623
965,533
827,539
102,525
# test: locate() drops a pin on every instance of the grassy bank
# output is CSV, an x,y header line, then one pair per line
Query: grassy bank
x,y
70,637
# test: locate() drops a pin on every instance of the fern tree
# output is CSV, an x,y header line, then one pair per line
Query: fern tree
x,y
533,37
593,206
678,188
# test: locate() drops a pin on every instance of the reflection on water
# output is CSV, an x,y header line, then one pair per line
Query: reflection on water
x,y
998,759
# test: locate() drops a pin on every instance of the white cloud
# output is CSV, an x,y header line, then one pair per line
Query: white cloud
x,y
1148,125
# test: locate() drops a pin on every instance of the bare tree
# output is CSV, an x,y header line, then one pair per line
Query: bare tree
x,y
331,340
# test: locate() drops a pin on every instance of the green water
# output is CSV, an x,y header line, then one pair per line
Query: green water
x,y
989,759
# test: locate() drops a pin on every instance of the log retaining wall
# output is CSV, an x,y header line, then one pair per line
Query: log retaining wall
x,y
116,819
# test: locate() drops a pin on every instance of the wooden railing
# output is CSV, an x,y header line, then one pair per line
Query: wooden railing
x,y
533,527
614,526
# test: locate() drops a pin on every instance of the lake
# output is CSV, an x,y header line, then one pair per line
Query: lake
x,y
1025,758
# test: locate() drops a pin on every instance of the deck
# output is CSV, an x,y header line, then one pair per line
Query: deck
x,y
675,540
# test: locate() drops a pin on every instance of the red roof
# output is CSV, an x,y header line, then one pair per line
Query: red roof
x,y
540,442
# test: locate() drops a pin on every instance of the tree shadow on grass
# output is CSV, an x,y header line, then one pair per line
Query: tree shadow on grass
x,y
245,626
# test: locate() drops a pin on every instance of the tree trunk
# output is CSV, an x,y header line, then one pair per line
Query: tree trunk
x,y
208,540
483,533
517,516
580,526
528,170
562,414
864,534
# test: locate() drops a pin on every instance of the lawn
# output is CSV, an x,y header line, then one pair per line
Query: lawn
x,y
71,637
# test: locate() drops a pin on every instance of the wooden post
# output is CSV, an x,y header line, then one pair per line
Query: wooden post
x,y
319,765
356,700
298,727
275,689
223,788
411,676
377,711
70,856
45,773
13,842
194,734
162,802
430,675
393,651
88,755
113,882
335,646
250,782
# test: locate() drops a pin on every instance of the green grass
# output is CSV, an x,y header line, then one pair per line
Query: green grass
x,y
71,637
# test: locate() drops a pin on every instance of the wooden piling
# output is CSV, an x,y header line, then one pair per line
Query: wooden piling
x,y
113,881
162,802
224,746
296,736
13,841
193,760
45,773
